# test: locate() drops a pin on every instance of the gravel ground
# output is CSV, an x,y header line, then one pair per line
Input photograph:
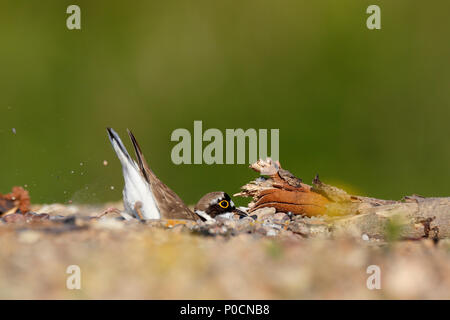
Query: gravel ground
x,y
262,258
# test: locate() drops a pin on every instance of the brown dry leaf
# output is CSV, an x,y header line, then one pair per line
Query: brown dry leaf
x,y
282,191
18,198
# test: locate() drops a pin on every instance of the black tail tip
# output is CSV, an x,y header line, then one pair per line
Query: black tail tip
x,y
111,133
130,133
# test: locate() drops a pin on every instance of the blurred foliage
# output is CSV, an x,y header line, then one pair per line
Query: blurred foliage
x,y
368,110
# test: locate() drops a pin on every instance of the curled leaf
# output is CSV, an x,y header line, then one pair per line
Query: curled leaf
x,y
15,201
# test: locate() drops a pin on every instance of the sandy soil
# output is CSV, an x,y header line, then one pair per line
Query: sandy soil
x,y
160,260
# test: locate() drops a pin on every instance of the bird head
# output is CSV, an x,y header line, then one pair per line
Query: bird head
x,y
217,204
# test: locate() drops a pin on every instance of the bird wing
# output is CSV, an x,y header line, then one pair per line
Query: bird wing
x,y
169,203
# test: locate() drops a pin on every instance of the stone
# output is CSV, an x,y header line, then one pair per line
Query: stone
x,y
32,217
299,227
281,217
264,213
261,230
231,224
14,218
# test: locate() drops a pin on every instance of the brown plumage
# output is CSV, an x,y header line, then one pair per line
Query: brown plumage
x,y
169,203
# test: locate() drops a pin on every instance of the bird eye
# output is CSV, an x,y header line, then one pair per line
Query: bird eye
x,y
224,204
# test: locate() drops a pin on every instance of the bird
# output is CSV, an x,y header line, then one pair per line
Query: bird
x,y
217,205
146,197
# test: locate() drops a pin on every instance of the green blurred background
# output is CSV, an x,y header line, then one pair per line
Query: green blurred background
x,y
368,110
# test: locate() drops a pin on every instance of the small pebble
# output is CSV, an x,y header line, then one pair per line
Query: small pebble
x,y
14,218
281,217
31,217
229,223
264,213
261,231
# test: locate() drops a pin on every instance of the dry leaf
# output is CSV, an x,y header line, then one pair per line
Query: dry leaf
x,y
18,198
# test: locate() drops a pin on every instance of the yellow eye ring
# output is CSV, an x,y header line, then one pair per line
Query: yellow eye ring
x,y
224,204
